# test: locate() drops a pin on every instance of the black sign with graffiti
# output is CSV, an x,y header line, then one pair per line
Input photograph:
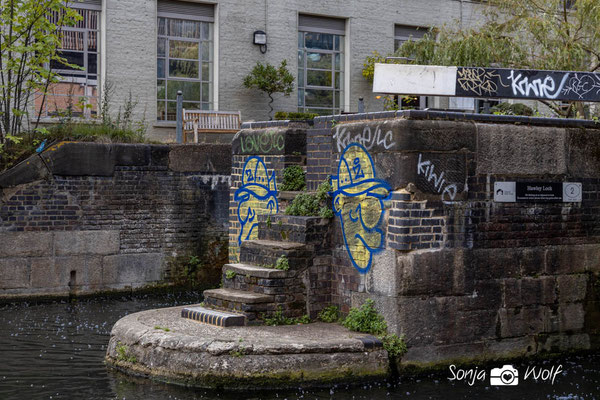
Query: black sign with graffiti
x,y
527,84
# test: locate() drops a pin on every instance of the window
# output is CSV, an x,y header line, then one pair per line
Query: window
x,y
185,57
403,33
320,65
77,91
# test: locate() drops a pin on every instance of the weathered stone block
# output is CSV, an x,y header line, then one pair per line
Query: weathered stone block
x,y
77,159
87,270
45,274
523,321
405,135
86,242
566,259
14,273
269,141
431,273
584,152
25,244
132,268
571,316
572,288
517,149
200,158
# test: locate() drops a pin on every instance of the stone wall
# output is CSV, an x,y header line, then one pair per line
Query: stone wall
x,y
460,275
85,217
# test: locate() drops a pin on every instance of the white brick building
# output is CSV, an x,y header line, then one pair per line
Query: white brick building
x,y
151,48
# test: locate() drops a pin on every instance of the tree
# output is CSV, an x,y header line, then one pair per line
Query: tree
x,y
270,80
30,34
533,34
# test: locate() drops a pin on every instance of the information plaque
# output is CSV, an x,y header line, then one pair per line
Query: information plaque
x,y
537,192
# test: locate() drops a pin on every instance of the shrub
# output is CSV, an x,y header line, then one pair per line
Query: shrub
x,y
512,109
229,274
316,205
366,319
282,263
294,178
329,314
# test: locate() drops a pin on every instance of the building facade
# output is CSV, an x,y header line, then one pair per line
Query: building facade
x,y
150,49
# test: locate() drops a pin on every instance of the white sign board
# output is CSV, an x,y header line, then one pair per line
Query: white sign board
x,y
505,192
415,79
572,192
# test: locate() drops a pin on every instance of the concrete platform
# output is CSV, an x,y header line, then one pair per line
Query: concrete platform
x,y
162,345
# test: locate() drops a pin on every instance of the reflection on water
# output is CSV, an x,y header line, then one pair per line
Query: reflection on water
x,y
56,351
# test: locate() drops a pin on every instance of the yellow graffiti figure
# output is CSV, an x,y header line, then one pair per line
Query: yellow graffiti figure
x,y
256,196
358,201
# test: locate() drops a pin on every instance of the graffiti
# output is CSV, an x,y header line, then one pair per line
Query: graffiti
x,y
262,143
358,201
367,138
582,85
478,80
527,84
426,168
543,88
213,180
256,196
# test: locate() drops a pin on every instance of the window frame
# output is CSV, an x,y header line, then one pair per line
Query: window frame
x,y
163,115
334,109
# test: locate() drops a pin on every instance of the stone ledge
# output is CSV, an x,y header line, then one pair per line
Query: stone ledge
x,y
256,357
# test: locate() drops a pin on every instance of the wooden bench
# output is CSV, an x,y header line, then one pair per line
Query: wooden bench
x,y
204,121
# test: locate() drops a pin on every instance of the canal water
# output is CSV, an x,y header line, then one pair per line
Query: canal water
x,y
56,351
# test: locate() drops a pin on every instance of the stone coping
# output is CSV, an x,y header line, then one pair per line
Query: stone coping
x,y
258,357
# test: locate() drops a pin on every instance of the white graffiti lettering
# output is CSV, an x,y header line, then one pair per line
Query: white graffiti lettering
x,y
367,138
546,88
426,168
213,180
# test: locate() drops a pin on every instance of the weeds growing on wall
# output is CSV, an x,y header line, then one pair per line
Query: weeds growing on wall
x,y
294,178
316,205
366,319
329,314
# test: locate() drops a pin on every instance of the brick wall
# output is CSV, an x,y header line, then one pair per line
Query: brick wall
x,y
457,273
277,145
110,216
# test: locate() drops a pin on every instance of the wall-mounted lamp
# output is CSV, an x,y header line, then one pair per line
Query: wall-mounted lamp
x,y
260,39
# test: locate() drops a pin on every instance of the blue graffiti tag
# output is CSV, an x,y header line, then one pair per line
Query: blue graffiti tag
x,y
257,195
358,201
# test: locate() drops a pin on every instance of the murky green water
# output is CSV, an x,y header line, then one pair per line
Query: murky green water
x,y
56,351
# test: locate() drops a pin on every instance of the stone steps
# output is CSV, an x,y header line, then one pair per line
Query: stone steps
x,y
262,280
262,252
251,305
307,230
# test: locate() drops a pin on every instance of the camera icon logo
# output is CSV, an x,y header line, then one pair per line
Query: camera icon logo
x,y
505,376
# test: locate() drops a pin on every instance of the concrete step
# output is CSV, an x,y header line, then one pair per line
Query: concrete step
x,y
308,230
261,252
237,296
213,317
258,272
251,305
262,280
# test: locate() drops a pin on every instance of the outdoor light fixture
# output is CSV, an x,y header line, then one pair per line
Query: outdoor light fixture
x,y
260,39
